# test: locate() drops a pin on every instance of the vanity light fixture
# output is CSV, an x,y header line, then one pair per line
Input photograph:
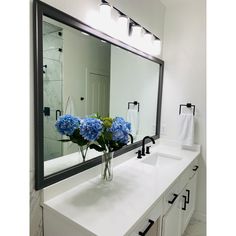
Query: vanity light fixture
x,y
105,9
146,41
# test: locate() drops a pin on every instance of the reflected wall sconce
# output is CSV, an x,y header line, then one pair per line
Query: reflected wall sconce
x,y
144,39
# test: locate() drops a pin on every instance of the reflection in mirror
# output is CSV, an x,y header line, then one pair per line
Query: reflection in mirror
x,y
83,75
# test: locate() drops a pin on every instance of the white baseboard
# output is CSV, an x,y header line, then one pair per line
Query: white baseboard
x,y
199,216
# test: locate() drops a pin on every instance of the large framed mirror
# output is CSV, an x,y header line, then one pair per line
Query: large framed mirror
x,y
81,71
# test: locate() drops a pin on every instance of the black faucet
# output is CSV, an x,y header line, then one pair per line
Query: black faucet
x,y
143,144
131,138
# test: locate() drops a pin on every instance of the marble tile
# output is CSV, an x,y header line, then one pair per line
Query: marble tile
x,y
195,228
52,94
52,40
50,130
52,149
53,54
53,71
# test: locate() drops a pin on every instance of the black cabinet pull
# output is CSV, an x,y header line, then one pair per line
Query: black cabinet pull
x,y
185,203
173,200
195,168
151,222
188,197
58,112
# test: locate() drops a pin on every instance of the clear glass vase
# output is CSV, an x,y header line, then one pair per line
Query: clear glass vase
x,y
107,170
83,151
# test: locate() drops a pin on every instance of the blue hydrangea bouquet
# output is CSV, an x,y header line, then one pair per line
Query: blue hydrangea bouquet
x,y
103,134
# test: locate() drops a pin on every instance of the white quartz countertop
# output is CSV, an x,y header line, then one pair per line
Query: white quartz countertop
x,y
114,208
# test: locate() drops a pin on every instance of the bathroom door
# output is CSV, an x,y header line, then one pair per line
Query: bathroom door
x,y
97,98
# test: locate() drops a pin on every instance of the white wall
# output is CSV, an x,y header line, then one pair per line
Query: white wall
x,y
185,76
139,77
149,13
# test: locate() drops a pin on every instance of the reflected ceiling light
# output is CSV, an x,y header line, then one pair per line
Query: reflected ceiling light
x,y
84,33
105,9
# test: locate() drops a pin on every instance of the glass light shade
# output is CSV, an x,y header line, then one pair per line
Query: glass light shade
x,y
157,47
122,27
147,37
136,31
105,10
123,22
147,42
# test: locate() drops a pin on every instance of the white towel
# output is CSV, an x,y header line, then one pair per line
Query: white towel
x,y
186,129
69,108
133,118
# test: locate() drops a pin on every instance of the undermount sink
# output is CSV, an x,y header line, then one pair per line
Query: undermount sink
x,y
161,159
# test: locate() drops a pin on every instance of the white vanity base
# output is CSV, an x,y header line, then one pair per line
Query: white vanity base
x,y
139,192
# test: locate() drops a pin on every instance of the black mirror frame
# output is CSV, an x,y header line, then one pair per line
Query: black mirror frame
x,y
39,10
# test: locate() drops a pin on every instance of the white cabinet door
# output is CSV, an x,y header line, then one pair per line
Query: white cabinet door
x,y
171,223
153,230
188,201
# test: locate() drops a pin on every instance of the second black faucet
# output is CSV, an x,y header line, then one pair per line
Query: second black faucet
x,y
143,144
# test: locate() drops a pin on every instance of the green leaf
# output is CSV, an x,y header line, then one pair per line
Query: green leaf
x,y
78,139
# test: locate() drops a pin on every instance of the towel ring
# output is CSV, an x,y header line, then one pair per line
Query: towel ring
x,y
135,103
188,105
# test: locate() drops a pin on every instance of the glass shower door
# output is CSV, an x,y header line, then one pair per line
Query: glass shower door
x,y
52,88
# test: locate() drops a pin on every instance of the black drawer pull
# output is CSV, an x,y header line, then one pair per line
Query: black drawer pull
x,y
188,197
173,200
185,203
151,222
195,168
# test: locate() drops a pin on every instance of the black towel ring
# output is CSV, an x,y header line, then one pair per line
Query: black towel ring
x,y
188,105
135,103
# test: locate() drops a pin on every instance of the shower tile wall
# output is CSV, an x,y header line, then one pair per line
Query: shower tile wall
x,y
52,87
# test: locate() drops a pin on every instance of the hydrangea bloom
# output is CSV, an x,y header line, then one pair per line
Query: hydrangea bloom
x,y
67,124
120,130
90,128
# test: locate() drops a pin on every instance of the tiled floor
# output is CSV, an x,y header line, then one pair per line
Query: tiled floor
x,y
195,228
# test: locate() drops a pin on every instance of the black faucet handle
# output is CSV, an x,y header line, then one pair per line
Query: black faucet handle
x,y
139,154
148,149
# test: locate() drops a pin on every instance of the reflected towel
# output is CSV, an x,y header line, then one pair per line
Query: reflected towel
x,y
186,129
69,108
133,118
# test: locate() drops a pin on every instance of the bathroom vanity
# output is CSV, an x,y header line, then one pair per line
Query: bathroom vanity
x,y
151,196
